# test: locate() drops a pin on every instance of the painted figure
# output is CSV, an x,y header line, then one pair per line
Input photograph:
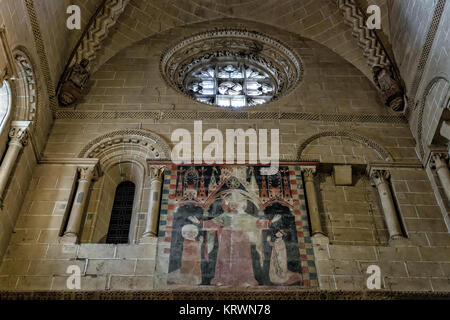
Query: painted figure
x,y
237,231
190,272
278,272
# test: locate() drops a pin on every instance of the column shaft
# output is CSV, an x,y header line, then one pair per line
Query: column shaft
x,y
314,215
151,225
379,178
76,214
439,162
19,138
8,164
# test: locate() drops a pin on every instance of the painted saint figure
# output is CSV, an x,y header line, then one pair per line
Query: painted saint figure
x,y
190,271
237,231
278,272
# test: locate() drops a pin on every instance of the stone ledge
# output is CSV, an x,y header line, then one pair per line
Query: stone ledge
x,y
288,294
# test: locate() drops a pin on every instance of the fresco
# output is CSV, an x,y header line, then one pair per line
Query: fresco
x,y
231,226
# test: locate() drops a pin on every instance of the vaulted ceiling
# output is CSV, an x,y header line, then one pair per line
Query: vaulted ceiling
x,y
320,20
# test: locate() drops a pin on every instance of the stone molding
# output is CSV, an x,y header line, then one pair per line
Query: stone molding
x,y
40,48
146,139
284,64
97,31
429,40
30,89
261,294
367,39
352,136
229,114
421,111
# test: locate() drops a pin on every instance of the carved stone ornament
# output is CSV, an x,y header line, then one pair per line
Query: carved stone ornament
x,y
74,83
157,172
391,91
86,173
75,77
19,135
379,176
438,161
276,59
308,173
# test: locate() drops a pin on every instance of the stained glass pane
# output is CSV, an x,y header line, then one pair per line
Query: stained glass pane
x,y
230,84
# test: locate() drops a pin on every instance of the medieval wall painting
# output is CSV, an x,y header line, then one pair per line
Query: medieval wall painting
x,y
231,226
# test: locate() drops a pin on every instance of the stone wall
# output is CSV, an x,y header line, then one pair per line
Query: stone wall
x,y
128,92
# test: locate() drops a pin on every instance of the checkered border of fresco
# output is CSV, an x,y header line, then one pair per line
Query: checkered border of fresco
x,y
167,211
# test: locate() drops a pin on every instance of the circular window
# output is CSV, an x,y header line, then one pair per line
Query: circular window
x,y
230,84
231,68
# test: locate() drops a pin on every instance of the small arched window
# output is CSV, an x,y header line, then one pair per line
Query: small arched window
x,y
119,226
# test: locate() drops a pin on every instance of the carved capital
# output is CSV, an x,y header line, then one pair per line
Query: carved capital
x,y
308,173
19,135
157,172
379,176
438,161
86,173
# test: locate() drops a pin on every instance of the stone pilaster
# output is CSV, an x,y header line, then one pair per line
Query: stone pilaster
x,y
380,180
18,135
438,162
151,226
311,197
86,174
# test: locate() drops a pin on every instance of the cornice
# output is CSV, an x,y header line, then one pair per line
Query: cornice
x,y
203,294
229,114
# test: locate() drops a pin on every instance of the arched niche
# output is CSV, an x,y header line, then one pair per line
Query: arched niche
x,y
25,88
342,147
433,111
122,157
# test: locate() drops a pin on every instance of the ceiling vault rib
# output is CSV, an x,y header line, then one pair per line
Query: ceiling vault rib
x,y
40,48
87,47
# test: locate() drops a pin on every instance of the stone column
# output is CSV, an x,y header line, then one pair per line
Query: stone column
x,y
311,197
76,214
380,181
18,139
151,225
439,162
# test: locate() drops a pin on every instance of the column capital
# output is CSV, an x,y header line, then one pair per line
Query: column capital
x,y
308,173
438,160
378,176
157,172
18,135
86,173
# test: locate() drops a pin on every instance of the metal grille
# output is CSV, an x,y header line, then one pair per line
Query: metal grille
x,y
119,226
